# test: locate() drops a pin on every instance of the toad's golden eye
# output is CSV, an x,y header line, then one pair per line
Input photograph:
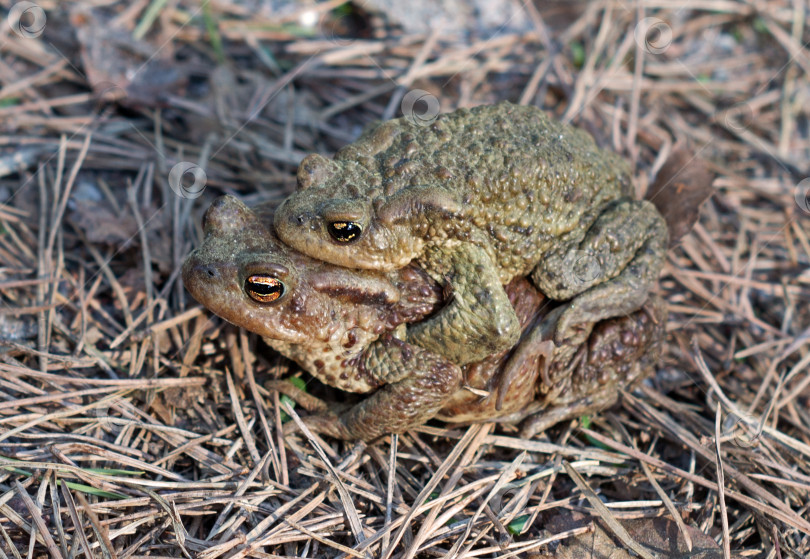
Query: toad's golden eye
x,y
263,288
345,231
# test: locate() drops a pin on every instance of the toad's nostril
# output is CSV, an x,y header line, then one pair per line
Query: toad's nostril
x,y
301,219
207,271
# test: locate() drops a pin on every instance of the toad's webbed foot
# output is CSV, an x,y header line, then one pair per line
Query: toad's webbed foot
x,y
324,424
479,320
535,348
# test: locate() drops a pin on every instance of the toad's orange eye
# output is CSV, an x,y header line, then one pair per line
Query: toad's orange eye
x,y
345,231
263,288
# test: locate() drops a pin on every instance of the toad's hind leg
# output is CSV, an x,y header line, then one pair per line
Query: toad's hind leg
x,y
611,272
416,385
617,355
479,320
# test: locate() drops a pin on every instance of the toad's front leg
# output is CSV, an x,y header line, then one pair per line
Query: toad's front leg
x,y
416,385
611,272
479,320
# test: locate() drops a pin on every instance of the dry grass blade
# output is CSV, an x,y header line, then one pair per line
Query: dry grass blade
x,y
669,504
435,479
673,511
389,489
240,419
432,518
104,542
8,542
504,478
795,522
41,527
605,514
78,526
345,498
326,541
243,487
721,497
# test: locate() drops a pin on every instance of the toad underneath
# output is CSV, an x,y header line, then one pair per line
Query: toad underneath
x,y
475,199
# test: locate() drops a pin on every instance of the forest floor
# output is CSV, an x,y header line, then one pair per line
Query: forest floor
x,y
134,424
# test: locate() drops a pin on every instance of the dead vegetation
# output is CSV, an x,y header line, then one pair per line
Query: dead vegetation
x,y
132,424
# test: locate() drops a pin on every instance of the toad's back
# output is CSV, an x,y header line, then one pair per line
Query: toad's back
x,y
525,182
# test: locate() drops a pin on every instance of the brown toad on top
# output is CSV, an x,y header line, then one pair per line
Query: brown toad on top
x,y
339,323
477,198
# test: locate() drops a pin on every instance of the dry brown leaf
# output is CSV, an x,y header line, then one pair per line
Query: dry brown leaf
x,y
659,536
682,185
